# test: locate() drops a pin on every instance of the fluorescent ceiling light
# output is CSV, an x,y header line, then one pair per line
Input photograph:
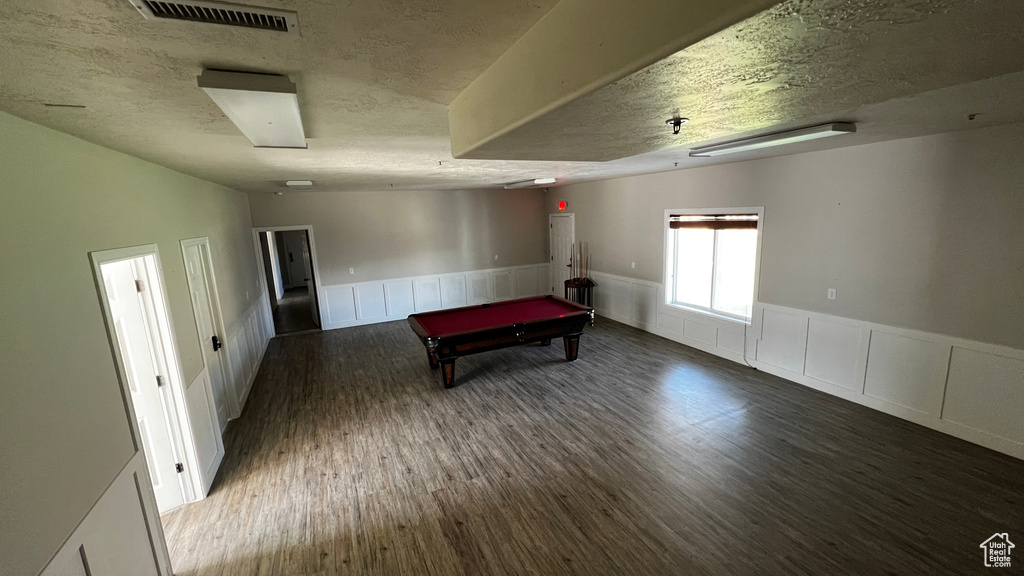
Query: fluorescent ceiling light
x,y
777,139
264,107
299,184
528,183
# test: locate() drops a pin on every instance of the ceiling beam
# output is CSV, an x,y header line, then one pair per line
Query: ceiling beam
x,y
577,48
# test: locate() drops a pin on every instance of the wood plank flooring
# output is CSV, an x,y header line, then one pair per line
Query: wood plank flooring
x,y
643,457
293,313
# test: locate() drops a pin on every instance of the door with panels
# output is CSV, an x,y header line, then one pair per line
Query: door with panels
x,y
145,381
562,235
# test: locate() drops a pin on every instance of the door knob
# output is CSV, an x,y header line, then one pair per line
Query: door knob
x,y
216,344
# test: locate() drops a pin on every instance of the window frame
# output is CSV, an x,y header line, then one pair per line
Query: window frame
x,y
669,251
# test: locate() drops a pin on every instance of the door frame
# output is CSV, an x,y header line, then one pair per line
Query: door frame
x,y
203,243
317,278
551,257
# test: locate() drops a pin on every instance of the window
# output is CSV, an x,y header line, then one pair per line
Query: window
x,y
711,260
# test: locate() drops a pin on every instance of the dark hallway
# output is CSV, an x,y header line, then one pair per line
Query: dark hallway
x,y
294,312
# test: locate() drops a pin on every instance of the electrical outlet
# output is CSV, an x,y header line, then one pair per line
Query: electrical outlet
x,y
247,295
351,270
831,293
495,257
632,264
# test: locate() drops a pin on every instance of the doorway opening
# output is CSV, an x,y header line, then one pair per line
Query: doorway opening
x,y
134,303
288,260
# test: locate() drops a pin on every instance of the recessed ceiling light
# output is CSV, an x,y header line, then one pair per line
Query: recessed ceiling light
x,y
528,183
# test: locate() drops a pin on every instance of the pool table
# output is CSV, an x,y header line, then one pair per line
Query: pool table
x,y
448,334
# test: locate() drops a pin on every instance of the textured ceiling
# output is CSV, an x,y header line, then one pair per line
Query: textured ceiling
x,y
798,63
375,79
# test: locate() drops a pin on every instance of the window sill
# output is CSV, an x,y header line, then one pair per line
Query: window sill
x,y
709,313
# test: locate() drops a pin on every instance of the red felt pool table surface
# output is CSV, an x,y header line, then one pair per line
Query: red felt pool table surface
x,y
473,318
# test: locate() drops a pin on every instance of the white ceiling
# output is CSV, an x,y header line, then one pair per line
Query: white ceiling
x,y
375,79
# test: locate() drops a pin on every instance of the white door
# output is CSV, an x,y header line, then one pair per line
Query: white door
x,y
200,289
562,235
307,263
138,353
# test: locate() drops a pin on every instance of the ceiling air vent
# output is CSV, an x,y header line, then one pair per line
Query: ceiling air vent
x,y
221,13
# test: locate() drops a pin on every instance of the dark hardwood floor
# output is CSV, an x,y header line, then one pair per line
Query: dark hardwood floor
x,y
293,313
643,457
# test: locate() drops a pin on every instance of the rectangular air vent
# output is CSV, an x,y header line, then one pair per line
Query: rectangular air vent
x,y
221,13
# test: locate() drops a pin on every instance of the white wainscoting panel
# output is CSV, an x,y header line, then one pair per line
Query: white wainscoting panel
x,y
645,304
428,294
700,331
907,371
453,291
396,298
527,282
837,353
341,304
399,297
371,301
504,285
731,341
245,345
986,392
209,448
783,340
971,390
480,289
121,534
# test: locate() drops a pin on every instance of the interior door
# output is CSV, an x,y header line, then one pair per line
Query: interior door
x,y
562,235
138,355
199,287
307,262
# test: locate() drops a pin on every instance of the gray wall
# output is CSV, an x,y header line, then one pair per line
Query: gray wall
x,y
65,435
399,234
924,233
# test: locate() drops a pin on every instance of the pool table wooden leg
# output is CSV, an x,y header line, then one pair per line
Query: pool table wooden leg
x,y
432,358
448,372
572,346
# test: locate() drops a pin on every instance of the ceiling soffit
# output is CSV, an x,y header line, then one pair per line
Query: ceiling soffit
x,y
578,47
795,63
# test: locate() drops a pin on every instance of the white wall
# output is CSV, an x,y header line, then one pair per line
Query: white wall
x,y
923,233
397,234
922,238
65,435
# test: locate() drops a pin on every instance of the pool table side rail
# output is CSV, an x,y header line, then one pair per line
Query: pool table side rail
x,y
581,311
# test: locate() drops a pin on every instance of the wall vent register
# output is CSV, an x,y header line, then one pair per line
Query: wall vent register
x,y
221,13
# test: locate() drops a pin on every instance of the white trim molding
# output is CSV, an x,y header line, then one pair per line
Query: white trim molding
x,y
967,389
346,305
